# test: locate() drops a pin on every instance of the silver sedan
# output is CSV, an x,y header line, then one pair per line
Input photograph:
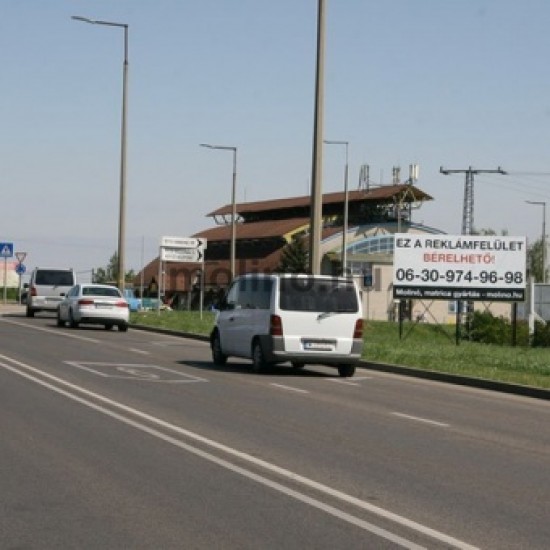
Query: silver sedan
x,y
96,304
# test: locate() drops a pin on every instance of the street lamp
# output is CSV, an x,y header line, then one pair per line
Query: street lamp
x,y
233,204
543,204
122,201
346,205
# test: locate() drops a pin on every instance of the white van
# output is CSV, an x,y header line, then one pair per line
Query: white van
x,y
47,287
304,319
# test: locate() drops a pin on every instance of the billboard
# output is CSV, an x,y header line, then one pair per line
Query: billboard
x,y
459,267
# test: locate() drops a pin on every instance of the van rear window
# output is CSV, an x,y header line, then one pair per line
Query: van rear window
x,y
54,278
324,295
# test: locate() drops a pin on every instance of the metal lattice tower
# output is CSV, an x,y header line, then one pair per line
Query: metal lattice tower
x,y
468,207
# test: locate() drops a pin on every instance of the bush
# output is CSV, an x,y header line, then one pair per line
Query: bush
x,y
12,294
541,337
485,328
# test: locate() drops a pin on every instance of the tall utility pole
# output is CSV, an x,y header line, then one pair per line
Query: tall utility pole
x,y
316,215
468,208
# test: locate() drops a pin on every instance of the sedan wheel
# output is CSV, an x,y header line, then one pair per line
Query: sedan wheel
x,y
72,322
60,323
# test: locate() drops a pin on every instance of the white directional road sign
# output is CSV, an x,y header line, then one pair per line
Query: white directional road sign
x,y
182,249
168,254
182,242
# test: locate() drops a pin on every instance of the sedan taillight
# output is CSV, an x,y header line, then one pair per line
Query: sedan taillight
x,y
122,303
85,302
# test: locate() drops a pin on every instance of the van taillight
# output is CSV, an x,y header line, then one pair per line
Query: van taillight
x,y
275,326
358,330
33,291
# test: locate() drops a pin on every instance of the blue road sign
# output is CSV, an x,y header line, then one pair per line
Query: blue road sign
x,y
6,250
20,269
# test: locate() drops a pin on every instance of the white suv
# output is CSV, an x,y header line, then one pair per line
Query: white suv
x,y
304,319
47,287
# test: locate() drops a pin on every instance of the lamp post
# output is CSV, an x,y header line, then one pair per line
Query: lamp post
x,y
122,201
233,203
346,205
543,204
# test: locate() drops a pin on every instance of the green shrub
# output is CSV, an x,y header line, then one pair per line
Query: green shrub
x,y
485,328
541,337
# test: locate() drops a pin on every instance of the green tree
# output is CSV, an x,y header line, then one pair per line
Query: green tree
x,y
294,257
109,273
535,260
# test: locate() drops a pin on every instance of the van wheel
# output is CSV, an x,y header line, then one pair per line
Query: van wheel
x,y
30,312
258,359
217,355
346,371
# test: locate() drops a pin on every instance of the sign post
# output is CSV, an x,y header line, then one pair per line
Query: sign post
x,y
183,249
20,269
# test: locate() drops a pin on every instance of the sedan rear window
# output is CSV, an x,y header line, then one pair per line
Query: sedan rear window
x,y
94,291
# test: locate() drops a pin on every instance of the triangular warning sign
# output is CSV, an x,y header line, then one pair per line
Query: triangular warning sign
x,y
6,251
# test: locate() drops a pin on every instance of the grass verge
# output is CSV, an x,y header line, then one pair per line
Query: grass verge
x,y
423,346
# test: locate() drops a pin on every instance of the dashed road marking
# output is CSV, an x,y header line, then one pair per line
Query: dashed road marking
x,y
419,419
290,388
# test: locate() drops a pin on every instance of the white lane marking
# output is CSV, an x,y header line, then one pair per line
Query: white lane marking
x,y
359,378
58,332
325,489
143,352
344,382
418,419
290,388
219,461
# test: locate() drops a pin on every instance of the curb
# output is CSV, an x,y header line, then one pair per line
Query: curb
x,y
480,383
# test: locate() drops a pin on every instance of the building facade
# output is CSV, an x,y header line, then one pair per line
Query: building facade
x,y
265,228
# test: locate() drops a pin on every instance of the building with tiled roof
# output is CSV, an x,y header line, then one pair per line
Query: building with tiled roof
x,y
264,228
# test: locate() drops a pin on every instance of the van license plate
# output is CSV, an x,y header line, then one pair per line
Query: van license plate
x,y
319,346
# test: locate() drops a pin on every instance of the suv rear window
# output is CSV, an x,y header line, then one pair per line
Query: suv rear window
x,y
326,295
52,277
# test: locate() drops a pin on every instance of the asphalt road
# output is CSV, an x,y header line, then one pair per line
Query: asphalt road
x,y
135,440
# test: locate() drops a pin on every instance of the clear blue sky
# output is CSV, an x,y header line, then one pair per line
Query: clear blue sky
x,y
448,83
